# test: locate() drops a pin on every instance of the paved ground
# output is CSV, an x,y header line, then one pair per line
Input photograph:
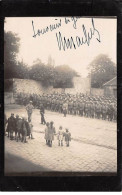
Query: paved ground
x,y
93,147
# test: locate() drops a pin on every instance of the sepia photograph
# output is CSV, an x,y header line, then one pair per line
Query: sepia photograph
x,y
60,96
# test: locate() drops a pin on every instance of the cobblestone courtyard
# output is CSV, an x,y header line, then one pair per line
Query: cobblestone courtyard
x,y
93,147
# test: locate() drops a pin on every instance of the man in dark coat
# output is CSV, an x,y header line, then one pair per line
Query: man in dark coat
x,y
11,126
42,114
18,130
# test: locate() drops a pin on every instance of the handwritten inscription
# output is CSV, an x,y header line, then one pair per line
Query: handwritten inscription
x,y
51,27
72,42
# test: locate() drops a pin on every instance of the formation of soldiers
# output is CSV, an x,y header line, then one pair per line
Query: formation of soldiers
x,y
99,107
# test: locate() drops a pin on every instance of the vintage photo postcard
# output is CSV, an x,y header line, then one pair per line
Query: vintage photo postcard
x,y
60,96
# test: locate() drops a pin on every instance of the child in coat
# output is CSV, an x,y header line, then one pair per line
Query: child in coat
x,y
60,136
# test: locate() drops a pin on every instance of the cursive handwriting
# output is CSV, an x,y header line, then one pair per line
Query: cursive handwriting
x,y
51,27
64,43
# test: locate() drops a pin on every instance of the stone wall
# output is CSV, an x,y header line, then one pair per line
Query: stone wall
x,y
29,86
81,85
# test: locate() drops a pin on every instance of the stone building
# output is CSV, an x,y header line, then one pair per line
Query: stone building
x,y
110,87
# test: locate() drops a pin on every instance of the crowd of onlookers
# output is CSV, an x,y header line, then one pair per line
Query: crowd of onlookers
x,y
19,128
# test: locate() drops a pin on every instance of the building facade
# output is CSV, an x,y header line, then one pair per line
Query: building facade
x,y
110,88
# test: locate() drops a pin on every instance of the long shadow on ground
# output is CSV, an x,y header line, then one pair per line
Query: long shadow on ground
x,y
15,166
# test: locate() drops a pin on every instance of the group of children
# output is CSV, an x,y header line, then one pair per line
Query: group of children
x,y
61,135
18,128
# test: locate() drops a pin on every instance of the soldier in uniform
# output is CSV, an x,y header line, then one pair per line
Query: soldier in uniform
x,y
89,109
74,107
65,108
53,105
86,108
48,103
77,106
42,114
111,107
69,107
29,109
98,110
104,111
81,108
115,112
60,107
92,109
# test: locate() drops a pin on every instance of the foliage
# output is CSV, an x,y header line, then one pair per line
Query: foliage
x,y
60,76
42,72
63,76
102,69
11,48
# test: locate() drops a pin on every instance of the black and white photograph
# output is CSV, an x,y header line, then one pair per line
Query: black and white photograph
x,y
60,96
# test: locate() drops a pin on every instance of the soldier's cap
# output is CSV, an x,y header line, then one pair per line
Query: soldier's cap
x,y
51,122
60,127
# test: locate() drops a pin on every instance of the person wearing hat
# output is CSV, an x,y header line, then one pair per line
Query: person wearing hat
x,y
29,109
60,136
67,136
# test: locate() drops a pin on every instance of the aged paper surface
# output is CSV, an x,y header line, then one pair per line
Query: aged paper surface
x,y
60,95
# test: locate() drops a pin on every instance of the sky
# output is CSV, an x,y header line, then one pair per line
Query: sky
x,y
103,40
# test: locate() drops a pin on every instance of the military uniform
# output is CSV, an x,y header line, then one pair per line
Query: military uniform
x,y
81,108
92,110
65,107
104,111
98,110
29,109
42,114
